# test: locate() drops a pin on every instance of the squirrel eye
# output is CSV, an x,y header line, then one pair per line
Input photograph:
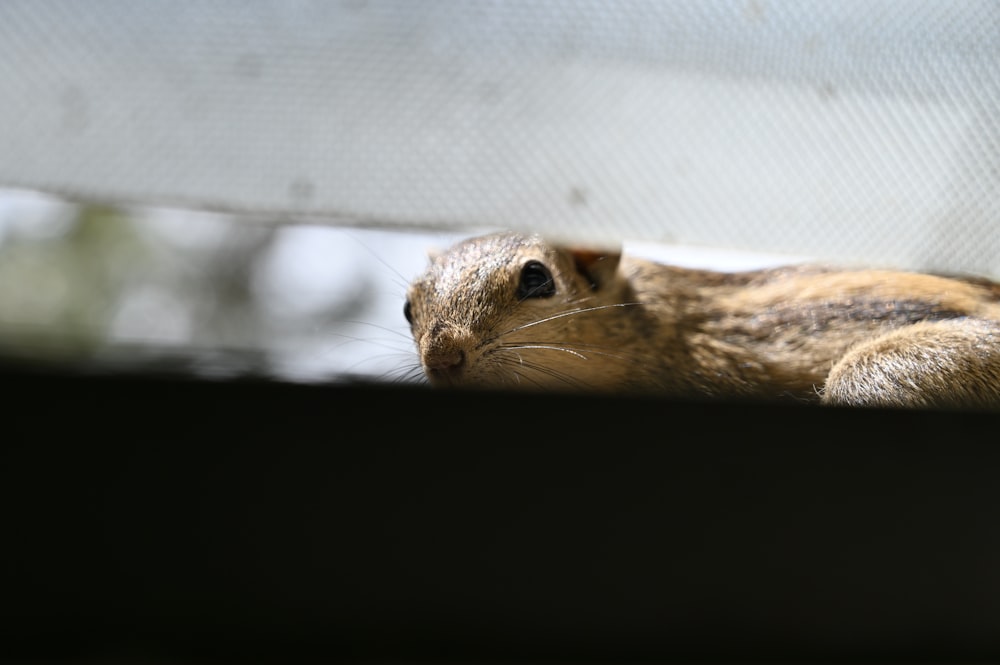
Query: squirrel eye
x,y
536,281
408,311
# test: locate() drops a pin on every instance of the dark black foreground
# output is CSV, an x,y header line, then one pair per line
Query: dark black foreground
x,y
170,520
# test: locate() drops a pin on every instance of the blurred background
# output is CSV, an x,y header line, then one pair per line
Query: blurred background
x,y
130,287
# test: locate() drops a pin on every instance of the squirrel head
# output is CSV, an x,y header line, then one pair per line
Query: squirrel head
x,y
484,298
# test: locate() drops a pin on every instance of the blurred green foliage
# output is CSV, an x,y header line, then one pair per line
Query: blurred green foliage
x,y
191,291
58,291
93,278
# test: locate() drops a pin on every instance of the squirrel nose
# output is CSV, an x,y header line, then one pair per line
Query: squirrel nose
x,y
445,361
444,357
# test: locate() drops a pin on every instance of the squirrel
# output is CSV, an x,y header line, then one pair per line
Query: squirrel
x,y
511,310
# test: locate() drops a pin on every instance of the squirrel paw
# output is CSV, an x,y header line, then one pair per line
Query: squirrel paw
x,y
951,364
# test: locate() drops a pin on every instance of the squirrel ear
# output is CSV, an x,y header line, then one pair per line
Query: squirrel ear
x,y
598,267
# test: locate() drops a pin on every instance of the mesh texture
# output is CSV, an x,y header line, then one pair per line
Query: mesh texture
x,y
858,131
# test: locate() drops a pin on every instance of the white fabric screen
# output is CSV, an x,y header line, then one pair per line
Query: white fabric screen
x,y
855,130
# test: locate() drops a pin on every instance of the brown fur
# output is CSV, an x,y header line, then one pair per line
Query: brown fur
x,y
616,323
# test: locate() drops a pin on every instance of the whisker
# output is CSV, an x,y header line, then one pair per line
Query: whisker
x,y
390,344
521,364
579,350
405,334
572,312
553,347
563,377
375,360
490,335
400,280
410,375
374,356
